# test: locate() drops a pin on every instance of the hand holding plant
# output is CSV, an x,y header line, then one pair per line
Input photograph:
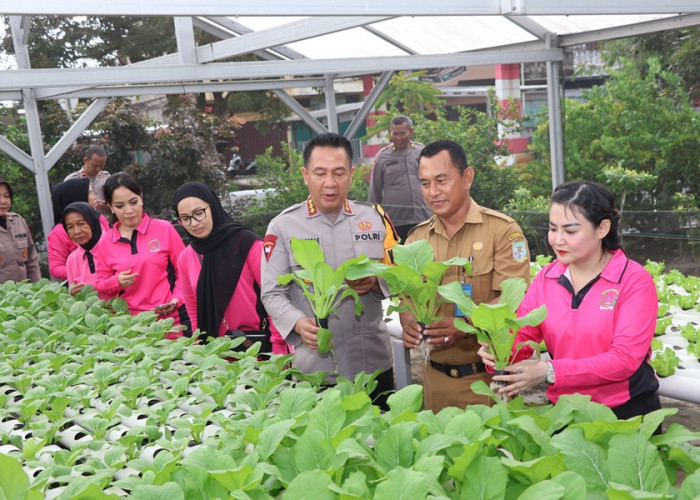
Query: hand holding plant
x,y
495,324
323,287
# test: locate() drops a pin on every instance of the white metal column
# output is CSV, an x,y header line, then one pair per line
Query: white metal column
x,y
556,142
331,113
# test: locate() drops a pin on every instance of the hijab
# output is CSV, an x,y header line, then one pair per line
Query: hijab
x,y
224,252
93,219
3,218
66,192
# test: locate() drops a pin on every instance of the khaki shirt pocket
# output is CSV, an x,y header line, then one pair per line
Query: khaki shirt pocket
x,y
482,279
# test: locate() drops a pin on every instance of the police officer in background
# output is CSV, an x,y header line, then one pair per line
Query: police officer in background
x,y
497,249
344,229
394,179
19,259
94,163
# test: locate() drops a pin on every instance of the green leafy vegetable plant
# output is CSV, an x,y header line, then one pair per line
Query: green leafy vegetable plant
x,y
495,324
323,287
665,362
415,279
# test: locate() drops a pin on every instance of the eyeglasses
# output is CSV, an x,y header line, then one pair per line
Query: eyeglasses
x,y
198,214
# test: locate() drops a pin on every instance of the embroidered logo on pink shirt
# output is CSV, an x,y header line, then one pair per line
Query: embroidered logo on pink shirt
x,y
609,299
154,246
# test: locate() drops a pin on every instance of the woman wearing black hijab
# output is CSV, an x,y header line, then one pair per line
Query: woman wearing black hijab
x,y
58,242
82,225
220,270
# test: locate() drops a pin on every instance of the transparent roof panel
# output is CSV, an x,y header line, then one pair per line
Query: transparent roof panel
x,y
565,25
433,35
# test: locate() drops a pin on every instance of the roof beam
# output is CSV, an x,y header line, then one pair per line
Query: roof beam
x,y
186,88
388,39
240,29
669,23
220,32
287,33
347,7
531,26
72,77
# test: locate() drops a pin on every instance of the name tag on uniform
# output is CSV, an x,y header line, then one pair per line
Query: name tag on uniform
x,y
467,289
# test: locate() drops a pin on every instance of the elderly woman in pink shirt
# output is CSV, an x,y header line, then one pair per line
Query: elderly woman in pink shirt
x,y
82,225
137,258
220,270
59,245
601,310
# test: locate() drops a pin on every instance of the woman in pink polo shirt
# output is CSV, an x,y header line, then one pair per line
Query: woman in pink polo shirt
x,y
82,225
220,270
137,258
601,310
59,245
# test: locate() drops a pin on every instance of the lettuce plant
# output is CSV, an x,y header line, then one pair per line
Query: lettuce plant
x,y
322,286
495,324
665,362
415,279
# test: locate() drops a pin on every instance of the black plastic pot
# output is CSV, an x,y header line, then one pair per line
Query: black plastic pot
x,y
322,322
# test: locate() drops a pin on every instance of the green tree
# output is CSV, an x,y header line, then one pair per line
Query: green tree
x,y
405,94
181,152
678,51
643,122
622,180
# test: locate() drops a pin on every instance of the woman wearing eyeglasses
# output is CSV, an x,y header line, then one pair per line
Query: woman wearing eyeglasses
x,y
220,270
137,258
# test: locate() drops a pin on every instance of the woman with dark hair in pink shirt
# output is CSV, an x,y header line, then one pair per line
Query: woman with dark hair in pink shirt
x,y
137,258
220,270
601,310
59,245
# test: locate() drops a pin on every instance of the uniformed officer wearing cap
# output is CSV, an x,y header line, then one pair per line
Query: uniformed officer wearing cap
x,y
497,249
94,163
394,179
344,229
19,259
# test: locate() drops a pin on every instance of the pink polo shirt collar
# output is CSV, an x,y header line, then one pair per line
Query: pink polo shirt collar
x,y
142,228
612,271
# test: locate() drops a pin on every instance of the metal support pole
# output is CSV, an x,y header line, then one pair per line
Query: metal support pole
x,y
330,105
300,111
556,138
368,104
41,173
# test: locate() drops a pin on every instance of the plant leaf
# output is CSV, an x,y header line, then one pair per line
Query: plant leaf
x,y
634,461
415,255
512,292
584,457
307,253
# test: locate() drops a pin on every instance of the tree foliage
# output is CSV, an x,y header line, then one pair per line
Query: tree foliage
x,y
70,42
405,94
678,51
181,152
642,122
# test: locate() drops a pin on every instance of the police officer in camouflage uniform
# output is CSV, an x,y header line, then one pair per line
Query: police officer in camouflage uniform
x,y
19,259
344,229
394,179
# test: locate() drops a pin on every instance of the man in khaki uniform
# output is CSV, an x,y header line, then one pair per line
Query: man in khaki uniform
x,y
94,163
19,259
497,249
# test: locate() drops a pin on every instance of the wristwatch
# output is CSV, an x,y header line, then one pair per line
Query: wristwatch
x,y
549,376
